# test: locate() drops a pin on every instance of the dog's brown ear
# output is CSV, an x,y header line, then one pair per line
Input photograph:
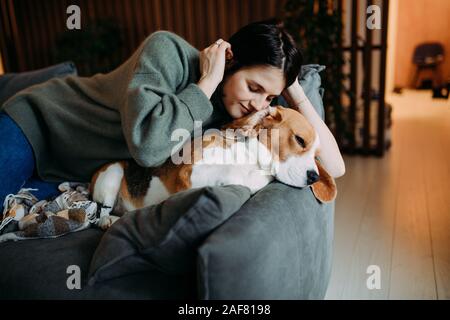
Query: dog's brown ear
x,y
325,189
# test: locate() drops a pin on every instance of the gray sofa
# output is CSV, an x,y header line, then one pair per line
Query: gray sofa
x,y
278,245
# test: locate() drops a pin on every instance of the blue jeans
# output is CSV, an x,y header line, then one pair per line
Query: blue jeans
x,y
17,164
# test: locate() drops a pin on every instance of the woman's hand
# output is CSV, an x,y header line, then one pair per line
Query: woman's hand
x,y
212,65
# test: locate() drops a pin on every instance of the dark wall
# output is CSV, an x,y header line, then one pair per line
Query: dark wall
x,y
34,33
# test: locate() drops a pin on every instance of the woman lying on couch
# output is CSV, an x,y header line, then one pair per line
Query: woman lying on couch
x,y
66,128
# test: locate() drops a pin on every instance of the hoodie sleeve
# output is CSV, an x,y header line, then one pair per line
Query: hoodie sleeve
x,y
159,100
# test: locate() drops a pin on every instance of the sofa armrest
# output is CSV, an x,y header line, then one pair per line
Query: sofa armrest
x,y
277,246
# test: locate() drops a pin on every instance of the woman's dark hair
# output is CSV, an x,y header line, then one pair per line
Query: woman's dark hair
x,y
265,43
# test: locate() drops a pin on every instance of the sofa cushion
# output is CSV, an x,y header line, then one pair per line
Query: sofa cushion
x,y
277,246
38,269
165,236
11,83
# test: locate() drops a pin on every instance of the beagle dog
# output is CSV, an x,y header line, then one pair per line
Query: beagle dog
x,y
274,143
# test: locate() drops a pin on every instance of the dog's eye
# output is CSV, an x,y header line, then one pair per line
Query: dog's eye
x,y
300,141
252,89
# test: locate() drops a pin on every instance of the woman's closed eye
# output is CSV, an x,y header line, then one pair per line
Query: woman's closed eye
x,y
258,90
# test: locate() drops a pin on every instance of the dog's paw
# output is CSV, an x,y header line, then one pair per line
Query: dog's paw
x,y
106,221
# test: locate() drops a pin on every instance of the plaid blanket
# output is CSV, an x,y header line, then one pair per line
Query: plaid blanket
x,y
25,217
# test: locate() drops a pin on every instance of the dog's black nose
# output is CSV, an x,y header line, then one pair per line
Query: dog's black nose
x,y
312,177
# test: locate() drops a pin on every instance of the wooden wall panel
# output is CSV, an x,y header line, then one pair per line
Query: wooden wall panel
x,y
29,38
31,28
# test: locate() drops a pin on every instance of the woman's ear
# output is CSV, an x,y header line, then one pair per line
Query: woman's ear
x,y
230,61
229,64
228,54
325,189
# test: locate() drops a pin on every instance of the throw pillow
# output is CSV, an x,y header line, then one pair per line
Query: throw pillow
x,y
165,236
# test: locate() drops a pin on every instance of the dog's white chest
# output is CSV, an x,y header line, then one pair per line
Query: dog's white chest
x,y
244,164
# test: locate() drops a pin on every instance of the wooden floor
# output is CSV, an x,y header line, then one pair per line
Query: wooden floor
x,y
394,212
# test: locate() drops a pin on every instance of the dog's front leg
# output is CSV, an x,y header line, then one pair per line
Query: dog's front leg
x,y
106,220
105,191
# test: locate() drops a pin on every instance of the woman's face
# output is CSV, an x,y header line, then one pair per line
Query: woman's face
x,y
251,88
